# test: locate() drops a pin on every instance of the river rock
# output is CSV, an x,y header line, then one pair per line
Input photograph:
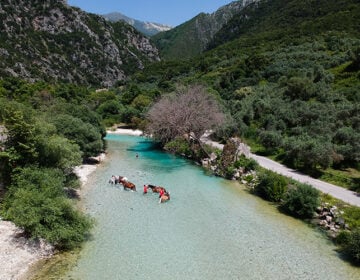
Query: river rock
x,y
328,219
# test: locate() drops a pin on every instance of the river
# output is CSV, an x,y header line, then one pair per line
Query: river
x,y
210,229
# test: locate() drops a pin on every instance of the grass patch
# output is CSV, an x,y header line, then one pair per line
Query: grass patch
x,y
348,178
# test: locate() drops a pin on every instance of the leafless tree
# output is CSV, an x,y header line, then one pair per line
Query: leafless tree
x,y
188,111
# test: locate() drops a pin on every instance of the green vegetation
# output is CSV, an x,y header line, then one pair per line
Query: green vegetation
x,y
45,138
287,72
350,244
36,202
271,186
288,75
179,146
247,163
182,41
301,201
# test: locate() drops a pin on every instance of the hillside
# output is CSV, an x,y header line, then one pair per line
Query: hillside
x,y
55,42
145,27
278,18
289,75
192,37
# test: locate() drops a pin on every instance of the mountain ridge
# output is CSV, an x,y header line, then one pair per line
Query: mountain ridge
x,y
146,27
193,36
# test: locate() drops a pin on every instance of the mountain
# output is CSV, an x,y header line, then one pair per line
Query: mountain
x,y
285,17
145,27
192,37
51,41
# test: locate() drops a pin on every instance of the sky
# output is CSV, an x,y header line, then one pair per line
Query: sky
x,y
170,12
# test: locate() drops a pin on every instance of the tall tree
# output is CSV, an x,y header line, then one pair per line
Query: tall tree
x,y
188,111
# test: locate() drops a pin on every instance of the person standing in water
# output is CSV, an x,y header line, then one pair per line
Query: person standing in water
x,y
161,193
145,189
137,155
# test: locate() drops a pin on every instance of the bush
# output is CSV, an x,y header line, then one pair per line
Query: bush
x,y
271,186
350,244
179,146
229,172
247,163
352,216
36,202
84,134
301,201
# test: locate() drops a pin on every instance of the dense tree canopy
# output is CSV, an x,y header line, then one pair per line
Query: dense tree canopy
x,y
44,138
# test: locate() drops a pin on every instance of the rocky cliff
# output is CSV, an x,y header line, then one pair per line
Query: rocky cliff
x,y
49,40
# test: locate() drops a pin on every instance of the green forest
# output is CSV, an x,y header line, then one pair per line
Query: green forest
x,y
287,73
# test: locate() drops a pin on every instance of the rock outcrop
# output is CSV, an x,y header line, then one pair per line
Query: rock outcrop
x,y
233,149
49,40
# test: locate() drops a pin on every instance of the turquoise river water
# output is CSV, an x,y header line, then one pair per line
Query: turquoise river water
x,y
210,229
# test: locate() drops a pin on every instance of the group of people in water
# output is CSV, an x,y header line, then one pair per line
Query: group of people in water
x,y
164,195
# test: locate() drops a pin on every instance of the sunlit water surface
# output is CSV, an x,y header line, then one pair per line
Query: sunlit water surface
x,y
211,229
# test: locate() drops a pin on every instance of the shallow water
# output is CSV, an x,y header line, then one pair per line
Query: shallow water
x,y
210,229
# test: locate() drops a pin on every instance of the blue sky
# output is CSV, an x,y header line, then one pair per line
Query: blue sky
x,y
171,12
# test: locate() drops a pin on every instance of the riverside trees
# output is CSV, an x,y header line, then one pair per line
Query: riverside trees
x,y
188,111
45,137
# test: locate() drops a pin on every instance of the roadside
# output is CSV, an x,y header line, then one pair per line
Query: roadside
x,y
337,192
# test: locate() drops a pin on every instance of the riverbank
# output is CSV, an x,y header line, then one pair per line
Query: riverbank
x,y
17,253
126,131
218,205
83,171
340,193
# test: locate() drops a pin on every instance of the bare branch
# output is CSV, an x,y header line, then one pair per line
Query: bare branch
x,y
188,110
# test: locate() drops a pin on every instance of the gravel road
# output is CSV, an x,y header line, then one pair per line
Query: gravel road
x,y
345,195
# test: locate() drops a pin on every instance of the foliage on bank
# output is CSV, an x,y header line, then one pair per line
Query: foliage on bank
x,y
304,202
47,130
36,202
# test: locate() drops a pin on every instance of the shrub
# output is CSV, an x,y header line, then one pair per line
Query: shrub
x,y
350,244
352,216
179,146
84,134
229,172
36,202
247,163
301,201
271,186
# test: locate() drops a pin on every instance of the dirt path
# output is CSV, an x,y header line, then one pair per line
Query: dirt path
x,y
338,192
